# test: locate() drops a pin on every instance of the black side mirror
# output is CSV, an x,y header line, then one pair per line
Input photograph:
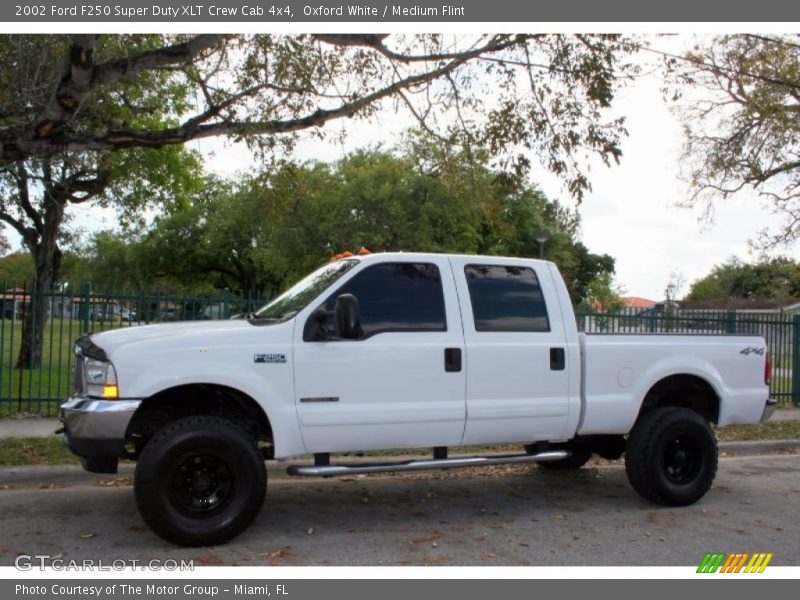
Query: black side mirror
x,y
316,329
347,318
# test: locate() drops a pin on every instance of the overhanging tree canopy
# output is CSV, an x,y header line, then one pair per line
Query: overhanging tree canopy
x,y
740,100
541,92
103,118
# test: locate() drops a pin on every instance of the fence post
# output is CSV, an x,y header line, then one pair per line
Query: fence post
x,y
796,360
730,321
226,303
83,312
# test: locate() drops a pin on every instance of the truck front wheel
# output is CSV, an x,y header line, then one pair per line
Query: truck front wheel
x,y
671,456
199,481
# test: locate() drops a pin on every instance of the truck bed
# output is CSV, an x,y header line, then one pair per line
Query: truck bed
x,y
618,370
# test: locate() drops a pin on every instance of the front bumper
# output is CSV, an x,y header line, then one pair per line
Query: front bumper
x,y
95,430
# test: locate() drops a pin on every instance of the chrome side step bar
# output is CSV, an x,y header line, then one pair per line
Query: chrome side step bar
x,y
425,464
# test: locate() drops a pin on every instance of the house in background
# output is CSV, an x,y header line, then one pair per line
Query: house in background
x,y
13,303
764,306
635,303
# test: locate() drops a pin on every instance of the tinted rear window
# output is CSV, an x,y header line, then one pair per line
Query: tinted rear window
x,y
506,298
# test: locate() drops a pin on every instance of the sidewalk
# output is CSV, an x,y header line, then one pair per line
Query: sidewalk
x,y
786,414
38,427
29,427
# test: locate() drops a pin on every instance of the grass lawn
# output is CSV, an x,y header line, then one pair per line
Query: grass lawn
x,y
52,451
35,451
771,430
39,391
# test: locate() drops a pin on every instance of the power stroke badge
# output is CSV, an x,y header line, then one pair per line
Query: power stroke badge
x,y
270,357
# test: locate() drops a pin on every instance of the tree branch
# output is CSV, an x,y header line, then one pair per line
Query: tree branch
x,y
23,195
189,130
81,76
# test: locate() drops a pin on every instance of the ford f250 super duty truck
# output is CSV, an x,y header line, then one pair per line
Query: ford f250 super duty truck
x,y
390,351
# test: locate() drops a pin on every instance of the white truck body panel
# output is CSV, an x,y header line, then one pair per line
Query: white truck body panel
x,y
619,370
392,391
153,358
512,393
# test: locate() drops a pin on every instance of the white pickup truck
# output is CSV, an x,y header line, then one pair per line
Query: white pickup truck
x,y
391,351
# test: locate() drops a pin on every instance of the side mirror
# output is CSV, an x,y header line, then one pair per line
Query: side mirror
x,y
316,329
347,318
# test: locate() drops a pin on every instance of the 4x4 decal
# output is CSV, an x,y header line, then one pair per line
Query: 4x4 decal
x,y
750,350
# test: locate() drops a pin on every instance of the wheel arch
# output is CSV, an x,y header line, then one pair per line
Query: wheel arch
x,y
684,390
192,399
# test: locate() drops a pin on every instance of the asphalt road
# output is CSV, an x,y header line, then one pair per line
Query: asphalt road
x,y
515,515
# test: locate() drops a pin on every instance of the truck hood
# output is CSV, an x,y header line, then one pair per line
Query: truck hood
x,y
208,330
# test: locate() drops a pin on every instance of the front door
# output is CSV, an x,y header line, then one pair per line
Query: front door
x,y
391,387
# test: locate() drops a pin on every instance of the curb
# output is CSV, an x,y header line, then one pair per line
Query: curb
x,y
756,447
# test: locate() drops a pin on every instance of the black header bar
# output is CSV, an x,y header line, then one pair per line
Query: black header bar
x,y
397,11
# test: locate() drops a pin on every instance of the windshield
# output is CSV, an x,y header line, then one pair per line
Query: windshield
x,y
297,297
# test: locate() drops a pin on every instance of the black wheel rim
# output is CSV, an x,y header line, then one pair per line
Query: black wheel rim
x,y
201,484
682,459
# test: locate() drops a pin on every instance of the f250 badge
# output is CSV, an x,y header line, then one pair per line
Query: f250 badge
x,y
750,350
273,357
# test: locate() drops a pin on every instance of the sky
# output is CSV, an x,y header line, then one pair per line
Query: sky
x,y
632,212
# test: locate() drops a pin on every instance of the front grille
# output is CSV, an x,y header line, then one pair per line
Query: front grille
x,y
79,374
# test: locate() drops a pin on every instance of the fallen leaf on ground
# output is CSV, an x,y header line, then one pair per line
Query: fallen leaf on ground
x,y
116,482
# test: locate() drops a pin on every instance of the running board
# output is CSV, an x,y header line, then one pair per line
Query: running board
x,y
425,464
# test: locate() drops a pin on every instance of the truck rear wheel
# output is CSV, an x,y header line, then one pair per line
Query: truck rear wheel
x,y
199,481
671,457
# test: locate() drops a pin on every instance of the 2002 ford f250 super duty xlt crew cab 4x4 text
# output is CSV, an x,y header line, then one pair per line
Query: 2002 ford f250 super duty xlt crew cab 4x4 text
x,y
400,350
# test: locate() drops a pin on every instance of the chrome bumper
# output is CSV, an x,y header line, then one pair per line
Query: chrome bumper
x,y
95,429
769,408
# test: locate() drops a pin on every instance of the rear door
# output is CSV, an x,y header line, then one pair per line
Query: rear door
x,y
516,359
393,387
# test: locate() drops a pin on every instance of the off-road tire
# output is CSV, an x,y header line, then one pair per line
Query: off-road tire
x,y
200,481
671,456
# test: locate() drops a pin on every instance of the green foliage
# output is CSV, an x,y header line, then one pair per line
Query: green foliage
x,y
603,295
16,268
777,278
272,229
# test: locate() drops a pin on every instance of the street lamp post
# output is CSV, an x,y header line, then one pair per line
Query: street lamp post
x,y
542,236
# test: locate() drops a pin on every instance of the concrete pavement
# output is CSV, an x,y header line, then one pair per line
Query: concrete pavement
x,y
28,427
507,515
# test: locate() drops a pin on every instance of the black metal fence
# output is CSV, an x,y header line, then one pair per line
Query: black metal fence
x,y
781,332
70,313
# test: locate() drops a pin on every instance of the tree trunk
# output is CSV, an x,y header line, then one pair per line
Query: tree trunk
x,y
47,260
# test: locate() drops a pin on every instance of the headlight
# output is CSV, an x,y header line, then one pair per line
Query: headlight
x,y
101,379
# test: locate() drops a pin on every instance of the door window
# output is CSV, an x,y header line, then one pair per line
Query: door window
x,y
506,298
394,297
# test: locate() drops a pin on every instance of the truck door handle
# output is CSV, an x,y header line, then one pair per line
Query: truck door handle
x,y
452,360
558,360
